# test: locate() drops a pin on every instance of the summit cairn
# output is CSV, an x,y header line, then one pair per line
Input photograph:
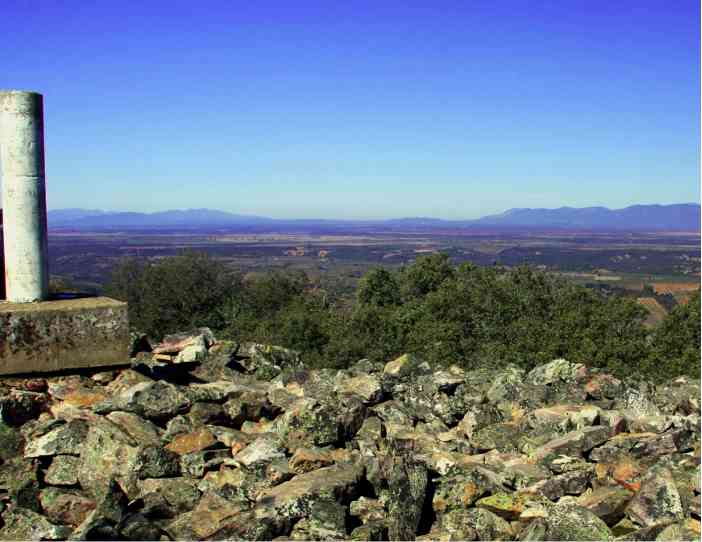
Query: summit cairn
x,y
219,449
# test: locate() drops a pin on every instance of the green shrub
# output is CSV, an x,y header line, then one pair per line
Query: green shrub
x,y
174,293
676,343
469,315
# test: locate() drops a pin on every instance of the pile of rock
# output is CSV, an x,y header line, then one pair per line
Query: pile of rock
x,y
212,440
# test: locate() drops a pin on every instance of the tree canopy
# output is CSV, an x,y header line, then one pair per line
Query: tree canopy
x,y
468,315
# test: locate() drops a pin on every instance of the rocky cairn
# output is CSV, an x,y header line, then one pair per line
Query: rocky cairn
x,y
211,440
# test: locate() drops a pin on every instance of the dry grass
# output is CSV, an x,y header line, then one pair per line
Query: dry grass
x,y
674,287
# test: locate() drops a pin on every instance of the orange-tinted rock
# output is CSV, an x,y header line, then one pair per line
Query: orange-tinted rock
x,y
84,398
309,459
192,442
626,470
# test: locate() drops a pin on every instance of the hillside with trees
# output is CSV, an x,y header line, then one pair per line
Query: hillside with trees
x,y
467,315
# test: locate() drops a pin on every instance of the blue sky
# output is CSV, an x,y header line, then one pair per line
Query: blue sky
x,y
361,109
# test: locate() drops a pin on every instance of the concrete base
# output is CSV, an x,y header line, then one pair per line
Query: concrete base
x,y
64,334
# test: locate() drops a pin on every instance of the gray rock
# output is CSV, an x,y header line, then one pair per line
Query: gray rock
x,y
108,454
292,500
19,480
65,507
407,483
608,503
266,361
141,430
63,471
260,451
155,461
11,442
567,522
180,493
23,524
576,442
326,521
555,371
65,439
488,526
657,501
405,366
152,400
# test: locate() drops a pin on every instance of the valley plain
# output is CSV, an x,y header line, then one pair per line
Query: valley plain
x,y
662,264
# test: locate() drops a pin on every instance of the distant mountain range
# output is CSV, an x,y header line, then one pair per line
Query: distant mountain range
x,y
676,217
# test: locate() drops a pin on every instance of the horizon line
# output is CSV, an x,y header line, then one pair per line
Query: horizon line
x,y
380,219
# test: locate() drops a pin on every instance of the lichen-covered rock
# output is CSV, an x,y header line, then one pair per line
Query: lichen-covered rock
x,y
312,423
326,521
65,439
212,512
635,445
478,417
108,453
63,471
567,522
508,506
405,366
555,371
181,494
576,442
154,400
679,531
141,430
294,499
23,524
488,526
367,387
407,480
155,461
608,503
260,451
11,442
657,501
249,444
498,436
266,362
374,530
19,480
462,487
65,507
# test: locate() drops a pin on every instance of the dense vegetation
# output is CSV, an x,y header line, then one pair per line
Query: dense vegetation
x,y
468,315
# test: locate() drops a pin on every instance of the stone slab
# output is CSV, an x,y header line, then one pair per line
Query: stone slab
x,y
64,334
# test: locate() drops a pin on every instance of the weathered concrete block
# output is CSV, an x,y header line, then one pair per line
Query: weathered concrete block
x,y
63,334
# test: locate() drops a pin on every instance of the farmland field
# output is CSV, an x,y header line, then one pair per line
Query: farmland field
x,y
335,260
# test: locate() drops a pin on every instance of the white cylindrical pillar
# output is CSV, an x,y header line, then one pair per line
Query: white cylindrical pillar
x,y
24,196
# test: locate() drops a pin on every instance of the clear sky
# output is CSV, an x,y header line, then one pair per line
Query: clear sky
x,y
385,108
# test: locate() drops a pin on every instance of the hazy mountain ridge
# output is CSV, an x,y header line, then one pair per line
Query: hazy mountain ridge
x,y
674,217
73,218
683,216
